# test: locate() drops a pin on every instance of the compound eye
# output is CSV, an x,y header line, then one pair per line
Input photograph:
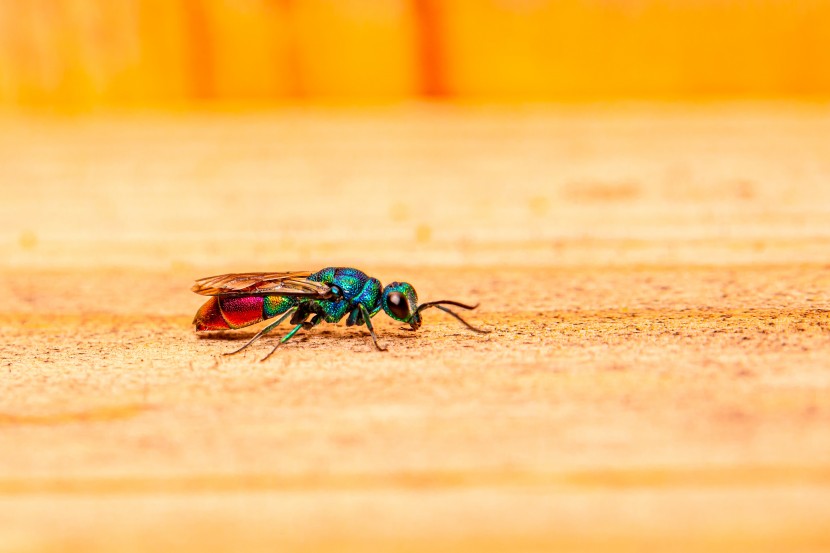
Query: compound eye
x,y
398,305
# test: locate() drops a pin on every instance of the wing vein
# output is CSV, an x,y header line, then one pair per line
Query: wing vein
x,y
295,284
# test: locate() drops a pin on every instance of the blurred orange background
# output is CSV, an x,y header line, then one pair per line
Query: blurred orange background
x,y
77,54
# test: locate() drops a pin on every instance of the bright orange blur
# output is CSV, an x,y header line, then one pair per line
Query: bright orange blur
x,y
162,52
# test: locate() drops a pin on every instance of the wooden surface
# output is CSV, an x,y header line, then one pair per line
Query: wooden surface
x,y
657,280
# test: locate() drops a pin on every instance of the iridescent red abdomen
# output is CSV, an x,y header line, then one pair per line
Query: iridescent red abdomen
x,y
236,312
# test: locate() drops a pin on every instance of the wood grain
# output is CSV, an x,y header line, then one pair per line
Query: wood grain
x,y
655,278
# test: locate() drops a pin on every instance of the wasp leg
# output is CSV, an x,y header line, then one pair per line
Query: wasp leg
x,y
301,314
264,331
367,318
308,325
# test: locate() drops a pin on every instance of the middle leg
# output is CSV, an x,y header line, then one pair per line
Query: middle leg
x,y
308,325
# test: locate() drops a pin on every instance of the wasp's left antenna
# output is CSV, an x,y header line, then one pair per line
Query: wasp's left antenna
x,y
440,305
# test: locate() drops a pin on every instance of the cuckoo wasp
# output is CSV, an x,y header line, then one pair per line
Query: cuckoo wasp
x,y
243,299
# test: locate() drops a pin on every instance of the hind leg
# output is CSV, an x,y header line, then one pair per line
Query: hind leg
x,y
264,331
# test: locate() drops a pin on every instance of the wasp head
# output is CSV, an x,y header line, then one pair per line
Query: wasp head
x,y
400,302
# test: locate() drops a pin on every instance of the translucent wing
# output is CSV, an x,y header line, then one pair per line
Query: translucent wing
x,y
295,284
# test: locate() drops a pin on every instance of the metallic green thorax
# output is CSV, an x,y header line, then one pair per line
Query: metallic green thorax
x,y
355,287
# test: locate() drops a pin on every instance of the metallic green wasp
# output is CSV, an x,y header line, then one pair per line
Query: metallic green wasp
x,y
243,299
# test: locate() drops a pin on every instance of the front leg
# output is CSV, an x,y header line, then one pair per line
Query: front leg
x,y
367,318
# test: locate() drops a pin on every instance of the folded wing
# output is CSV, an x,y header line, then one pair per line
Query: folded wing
x,y
293,284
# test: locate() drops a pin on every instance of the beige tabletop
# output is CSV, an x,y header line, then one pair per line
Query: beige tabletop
x,y
656,279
